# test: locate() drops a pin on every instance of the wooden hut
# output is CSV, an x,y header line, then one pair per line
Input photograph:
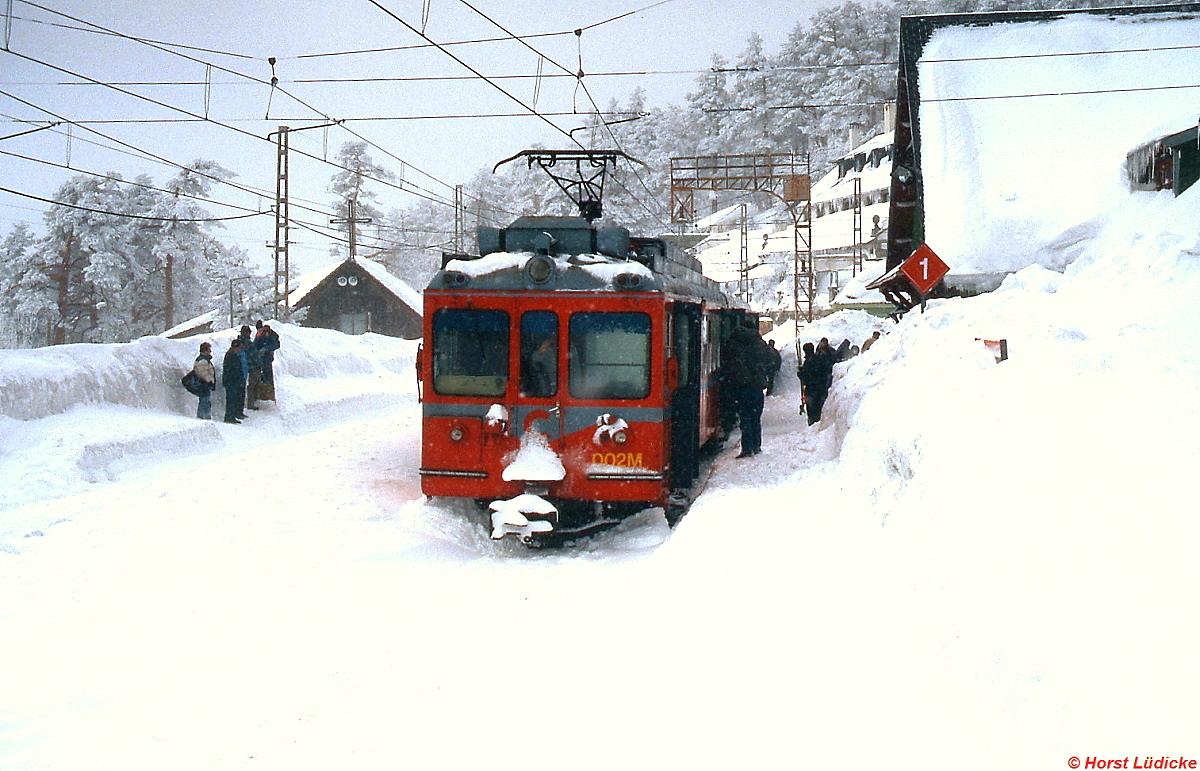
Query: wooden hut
x,y
357,296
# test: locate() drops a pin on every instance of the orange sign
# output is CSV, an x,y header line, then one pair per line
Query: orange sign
x,y
924,269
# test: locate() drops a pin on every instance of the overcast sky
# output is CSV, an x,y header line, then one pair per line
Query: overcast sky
x,y
655,37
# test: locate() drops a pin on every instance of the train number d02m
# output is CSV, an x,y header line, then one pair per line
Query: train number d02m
x,y
625,459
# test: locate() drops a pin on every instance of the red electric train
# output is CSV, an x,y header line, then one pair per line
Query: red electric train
x,y
568,376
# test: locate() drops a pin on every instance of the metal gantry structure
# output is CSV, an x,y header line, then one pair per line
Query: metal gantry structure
x,y
786,176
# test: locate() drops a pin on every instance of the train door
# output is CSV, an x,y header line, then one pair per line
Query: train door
x,y
539,376
685,399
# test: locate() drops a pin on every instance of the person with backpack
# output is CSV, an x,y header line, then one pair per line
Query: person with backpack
x,y
206,373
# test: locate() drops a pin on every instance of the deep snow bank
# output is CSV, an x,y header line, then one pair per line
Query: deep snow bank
x,y
1040,511
75,415
1022,136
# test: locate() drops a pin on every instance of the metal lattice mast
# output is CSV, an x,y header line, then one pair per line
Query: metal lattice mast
x,y
282,263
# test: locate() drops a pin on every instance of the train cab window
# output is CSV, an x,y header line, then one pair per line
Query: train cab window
x,y
470,352
539,354
609,355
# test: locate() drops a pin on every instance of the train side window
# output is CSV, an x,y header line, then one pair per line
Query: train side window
x,y
539,354
470,352
609,355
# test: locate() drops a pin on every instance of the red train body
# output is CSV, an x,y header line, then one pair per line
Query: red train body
x,y
568,375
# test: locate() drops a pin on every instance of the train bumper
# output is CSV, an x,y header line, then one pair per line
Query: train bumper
x,y
523,516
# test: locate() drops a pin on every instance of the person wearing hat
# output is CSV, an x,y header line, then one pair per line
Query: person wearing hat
x,y
207,373
233,377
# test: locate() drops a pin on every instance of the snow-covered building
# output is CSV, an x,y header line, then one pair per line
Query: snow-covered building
x,y
1169,159
356,296
204,324
848,234
1077,110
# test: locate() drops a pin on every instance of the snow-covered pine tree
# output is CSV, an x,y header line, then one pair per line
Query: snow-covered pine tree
x,y
352,183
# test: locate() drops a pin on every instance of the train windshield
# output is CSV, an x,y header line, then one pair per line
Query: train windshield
x,y
470,352
610,355
539,354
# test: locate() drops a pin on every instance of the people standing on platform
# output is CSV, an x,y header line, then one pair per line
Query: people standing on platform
x,y
233,378
776,362
816,377
207,373
266,341
745,361
253,363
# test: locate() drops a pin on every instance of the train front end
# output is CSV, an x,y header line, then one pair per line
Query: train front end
x,y
544,374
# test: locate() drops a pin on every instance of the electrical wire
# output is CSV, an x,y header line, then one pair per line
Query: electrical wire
x,y
60,25
133,182
428,195
580,76
127,215
138,152
822,105
477,73
361,119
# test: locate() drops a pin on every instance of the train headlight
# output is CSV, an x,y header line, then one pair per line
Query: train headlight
x,y
540,269
455,278
456,434
620,437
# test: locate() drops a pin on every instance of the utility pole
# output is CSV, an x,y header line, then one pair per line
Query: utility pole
x,y
351,221
282,218
282,262
459,220
857,265
744,259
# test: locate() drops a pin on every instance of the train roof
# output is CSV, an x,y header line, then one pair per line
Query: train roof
x,y
508,271
547,253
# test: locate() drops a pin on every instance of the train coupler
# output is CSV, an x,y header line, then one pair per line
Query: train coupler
x,y
523,516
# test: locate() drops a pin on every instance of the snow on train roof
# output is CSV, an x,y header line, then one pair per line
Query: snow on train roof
x,y
601,268
1025,127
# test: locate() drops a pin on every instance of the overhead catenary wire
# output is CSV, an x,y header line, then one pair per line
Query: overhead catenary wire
x,y
475,41
477,73
318,229
618,116
977,98
629,73
416,190
596,107
218,123
139,152
131,182
127,214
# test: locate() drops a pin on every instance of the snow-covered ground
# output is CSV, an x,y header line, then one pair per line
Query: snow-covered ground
x,y
965,564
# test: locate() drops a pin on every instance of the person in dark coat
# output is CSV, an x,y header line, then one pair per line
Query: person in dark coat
x,y
233,377
266,340
253,362
773,369
816,375
745,361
